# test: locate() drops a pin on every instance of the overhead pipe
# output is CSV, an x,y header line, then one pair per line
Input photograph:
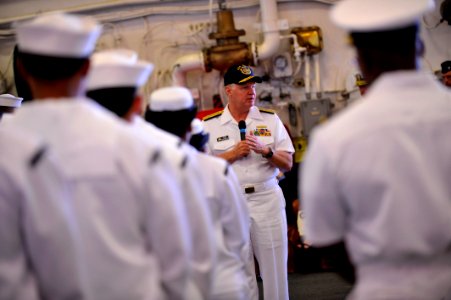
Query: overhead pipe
x,y
139,12
184,64
298,51
270,28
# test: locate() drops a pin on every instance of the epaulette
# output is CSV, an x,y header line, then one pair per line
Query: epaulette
x,y
213,115
265,110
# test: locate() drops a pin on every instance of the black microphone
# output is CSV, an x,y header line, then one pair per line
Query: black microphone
x,y
242,127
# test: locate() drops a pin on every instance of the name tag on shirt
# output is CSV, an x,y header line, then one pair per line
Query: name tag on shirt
x,y
222,138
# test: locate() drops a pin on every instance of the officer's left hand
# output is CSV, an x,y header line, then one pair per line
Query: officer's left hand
x,y
255,144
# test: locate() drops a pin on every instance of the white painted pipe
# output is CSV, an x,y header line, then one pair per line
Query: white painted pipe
x,y
319,90
184,64
307,76
270,28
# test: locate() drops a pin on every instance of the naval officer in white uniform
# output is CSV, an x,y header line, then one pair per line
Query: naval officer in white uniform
x,y
376,177
257,155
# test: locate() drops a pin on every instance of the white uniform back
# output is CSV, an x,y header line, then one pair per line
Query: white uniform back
x,y
231,224
377,177
195,205
90,193
16,278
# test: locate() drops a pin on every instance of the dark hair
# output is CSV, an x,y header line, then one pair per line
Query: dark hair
x,y
397,40
386,51
118,100
50,68
176,122
199,140
22,87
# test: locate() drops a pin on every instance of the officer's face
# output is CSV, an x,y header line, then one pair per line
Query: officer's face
x,y
242,94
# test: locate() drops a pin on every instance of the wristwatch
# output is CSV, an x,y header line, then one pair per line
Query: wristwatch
x,y
269,154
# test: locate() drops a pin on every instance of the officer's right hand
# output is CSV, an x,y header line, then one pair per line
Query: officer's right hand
x,y
241,150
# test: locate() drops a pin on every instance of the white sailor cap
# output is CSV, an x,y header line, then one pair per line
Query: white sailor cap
x,y
196,126
170,99
117,68
59,35
10,100
378,15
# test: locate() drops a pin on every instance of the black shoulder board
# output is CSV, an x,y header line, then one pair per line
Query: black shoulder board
x,y
213,115
266,111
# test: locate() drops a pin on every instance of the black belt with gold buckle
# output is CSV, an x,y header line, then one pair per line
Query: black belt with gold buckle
x,y
249,190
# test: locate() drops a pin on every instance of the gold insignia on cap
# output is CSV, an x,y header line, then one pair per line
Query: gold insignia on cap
x,y
246,79
245,70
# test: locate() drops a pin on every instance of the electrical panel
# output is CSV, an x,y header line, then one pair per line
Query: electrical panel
x,y
314,112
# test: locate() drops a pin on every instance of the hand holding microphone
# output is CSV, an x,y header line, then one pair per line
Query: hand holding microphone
x,y
242,149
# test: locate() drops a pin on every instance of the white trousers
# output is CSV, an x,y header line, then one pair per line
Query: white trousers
x,y
269,242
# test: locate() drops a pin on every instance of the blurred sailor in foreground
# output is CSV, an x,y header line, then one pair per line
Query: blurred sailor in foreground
x,y
114,81
95,194
8,104
173,109
199,138
256,154
17,280
446,73
375,180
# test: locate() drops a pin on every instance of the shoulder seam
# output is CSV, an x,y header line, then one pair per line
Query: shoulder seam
x,y
213,115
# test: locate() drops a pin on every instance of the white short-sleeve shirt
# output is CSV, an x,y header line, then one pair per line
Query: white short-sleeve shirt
x,y
96,202
378,177
224,134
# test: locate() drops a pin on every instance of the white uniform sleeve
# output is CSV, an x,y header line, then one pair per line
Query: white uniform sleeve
x,y
235,216
282,139
323,209
16,280
166,225
204,253
207,128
